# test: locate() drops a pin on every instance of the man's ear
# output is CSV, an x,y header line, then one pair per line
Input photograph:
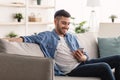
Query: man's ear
x,y
55,21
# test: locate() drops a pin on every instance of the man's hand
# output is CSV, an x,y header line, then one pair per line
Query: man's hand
x,y
78,54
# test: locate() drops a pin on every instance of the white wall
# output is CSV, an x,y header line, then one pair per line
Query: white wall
x,y
81,12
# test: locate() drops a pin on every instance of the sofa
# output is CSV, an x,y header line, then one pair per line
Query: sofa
x,y
25,61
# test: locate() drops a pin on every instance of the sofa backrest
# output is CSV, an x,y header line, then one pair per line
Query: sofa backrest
x,y
88,41
29,49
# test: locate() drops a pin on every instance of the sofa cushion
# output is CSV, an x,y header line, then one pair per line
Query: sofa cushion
x,y
88,41
29,49
109,46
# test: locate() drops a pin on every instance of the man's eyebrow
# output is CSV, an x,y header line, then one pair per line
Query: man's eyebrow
x,y
64,22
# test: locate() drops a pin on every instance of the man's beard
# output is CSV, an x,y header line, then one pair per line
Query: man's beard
x,y
60,30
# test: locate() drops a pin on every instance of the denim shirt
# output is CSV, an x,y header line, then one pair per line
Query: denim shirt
x,y
48,42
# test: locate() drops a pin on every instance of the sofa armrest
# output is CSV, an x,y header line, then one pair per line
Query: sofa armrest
x,y
17,67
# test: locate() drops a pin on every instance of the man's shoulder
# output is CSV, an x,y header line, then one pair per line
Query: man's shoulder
x,y
71,34
45,33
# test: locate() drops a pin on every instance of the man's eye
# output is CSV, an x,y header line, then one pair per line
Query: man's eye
x,y
64,23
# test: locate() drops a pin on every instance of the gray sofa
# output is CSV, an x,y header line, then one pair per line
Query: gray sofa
x,y
25,61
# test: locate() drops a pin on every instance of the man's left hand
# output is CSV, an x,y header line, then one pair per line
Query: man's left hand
x,y
78,54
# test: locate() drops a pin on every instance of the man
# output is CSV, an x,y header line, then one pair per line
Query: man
x,y
70,59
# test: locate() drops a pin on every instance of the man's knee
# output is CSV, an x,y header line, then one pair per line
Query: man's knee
x,y
117,57
105,66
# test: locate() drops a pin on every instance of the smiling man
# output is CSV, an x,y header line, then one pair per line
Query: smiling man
x,y
70,58
61,25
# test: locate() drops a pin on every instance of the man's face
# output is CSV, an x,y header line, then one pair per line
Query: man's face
x,y
62,25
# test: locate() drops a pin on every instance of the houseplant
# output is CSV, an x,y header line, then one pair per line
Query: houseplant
x,y
113,17
18,16
11,34
79,26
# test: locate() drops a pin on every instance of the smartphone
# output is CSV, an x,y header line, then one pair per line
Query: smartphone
x,y
81,49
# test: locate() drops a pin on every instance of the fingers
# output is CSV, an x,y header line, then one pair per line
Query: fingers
x,y
78,55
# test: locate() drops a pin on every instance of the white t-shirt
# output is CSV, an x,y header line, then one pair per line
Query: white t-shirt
x,y
64,58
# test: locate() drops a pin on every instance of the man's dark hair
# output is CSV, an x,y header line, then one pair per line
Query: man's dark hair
x,y
62,12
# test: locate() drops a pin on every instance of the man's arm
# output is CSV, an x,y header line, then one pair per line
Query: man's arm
x,y
14,39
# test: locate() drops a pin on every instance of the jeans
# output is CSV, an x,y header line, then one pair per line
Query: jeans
x,y
100,67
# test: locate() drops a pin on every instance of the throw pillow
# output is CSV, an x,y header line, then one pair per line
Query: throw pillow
x,y
109,46
29,49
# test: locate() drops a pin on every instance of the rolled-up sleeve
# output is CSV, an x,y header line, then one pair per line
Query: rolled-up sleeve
x,y
85,53
33,38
